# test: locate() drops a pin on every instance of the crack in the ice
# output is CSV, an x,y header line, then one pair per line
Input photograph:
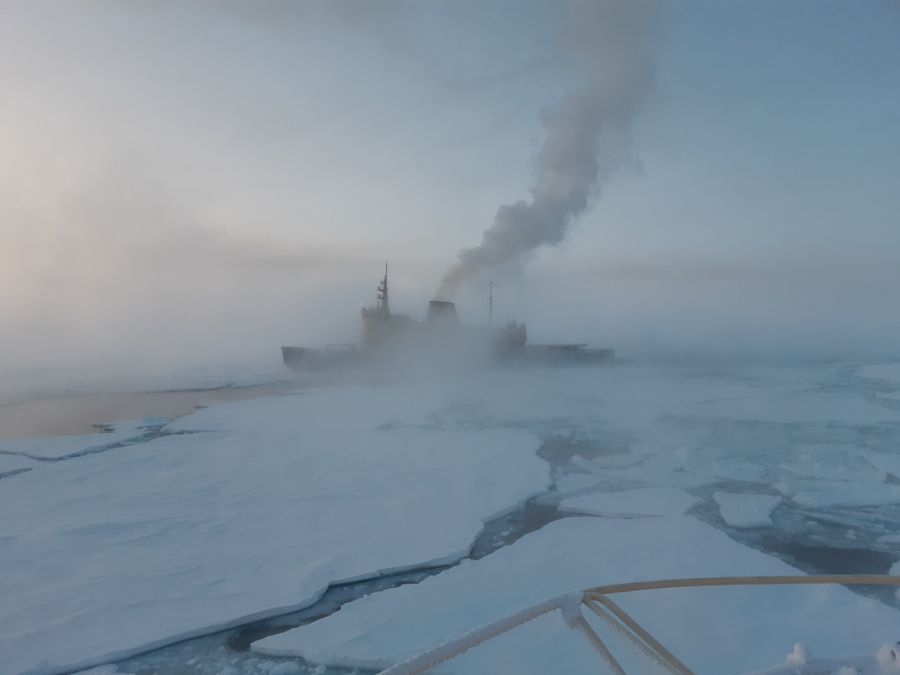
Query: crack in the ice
x,y
22,453
152,434
496,533
535,513
800,547
15,472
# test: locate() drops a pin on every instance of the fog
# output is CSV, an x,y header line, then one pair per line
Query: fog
x,y
194,186
670,236
588,134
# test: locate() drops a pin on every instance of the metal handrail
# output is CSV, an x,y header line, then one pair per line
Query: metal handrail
x,y
614,616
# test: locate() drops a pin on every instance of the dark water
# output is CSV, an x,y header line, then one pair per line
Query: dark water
x,y
71,413
215,653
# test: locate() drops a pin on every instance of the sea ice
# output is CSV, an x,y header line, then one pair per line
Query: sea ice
x,y
62,447
885,462
840,464
665,469
746,510
882,371
711,630
847,493
641,502
738,470
13,464
885,661
112,553
806,405
99,670
270,499
576,482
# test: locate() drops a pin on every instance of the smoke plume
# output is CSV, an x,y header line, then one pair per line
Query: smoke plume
x,y
587,133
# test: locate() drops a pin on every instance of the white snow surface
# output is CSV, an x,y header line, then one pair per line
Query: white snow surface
x,y
884,662
746,510
10,464
110,553
885,462
640,502
889,371
847,494
711,630
274,498
61,447
99,670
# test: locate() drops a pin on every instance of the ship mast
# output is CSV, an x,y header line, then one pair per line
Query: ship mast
x,y
383,302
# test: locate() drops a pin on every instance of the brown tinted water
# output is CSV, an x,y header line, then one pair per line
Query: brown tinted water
x,y
71,414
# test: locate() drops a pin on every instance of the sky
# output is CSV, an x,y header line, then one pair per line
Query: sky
x,y
201,182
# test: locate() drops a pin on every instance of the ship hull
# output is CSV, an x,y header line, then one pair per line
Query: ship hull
x,y
307,359
556,355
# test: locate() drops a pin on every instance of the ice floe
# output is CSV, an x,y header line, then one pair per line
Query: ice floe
x,y
885,462
113,553
822,495
882,371
746,510
640,502
51,448
268,500
712,630
799,662
13,464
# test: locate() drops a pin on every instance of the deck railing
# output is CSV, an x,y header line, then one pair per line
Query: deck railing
x,y
596,600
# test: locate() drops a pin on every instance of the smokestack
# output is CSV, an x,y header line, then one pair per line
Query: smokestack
x,y
443,314
587,134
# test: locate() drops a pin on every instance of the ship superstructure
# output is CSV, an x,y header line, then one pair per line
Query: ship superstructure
x,y
379,327
397,339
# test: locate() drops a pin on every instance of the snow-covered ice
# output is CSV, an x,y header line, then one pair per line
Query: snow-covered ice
x,y
800,662
885,462
839,464
889,371
846,494
99,670
712,630
272,500
639,502
62,447
263,502
11,464
746,510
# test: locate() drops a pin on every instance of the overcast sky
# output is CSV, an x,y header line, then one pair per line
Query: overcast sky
x,y
189,181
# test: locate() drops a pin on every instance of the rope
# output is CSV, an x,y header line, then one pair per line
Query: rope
x,y
672,663
427,660
581,624
628,635
700,582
